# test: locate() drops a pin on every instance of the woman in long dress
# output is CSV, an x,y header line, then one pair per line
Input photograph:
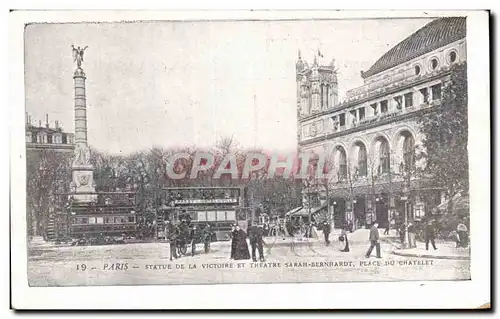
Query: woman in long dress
x,y
234,241
242,252
344,236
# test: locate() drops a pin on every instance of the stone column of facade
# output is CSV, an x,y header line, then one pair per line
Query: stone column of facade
x,y
315,92
334,95
82,171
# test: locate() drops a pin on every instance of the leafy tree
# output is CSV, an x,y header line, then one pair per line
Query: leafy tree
x,y
446,133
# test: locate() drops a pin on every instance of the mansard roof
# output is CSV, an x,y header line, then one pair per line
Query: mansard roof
x,y
433,35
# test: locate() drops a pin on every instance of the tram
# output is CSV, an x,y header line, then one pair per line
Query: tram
x,y
221,207
109,219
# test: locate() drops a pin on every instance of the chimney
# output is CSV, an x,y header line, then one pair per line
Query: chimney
x,y
29,119
57,125
47,120
26,118
39,123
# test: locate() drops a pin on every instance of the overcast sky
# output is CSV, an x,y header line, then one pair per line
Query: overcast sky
x,y
185,83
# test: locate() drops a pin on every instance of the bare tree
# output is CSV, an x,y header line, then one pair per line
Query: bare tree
x,y
48,173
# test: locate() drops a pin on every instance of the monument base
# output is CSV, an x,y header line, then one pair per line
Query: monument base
x,y
85,197
84,184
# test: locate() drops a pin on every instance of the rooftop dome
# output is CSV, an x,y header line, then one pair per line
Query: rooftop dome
x,y
433,35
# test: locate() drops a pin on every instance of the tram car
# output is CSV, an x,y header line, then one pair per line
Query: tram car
x,y
108,220
220,207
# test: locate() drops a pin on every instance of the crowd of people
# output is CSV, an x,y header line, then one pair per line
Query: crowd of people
x,y
429,229
182,235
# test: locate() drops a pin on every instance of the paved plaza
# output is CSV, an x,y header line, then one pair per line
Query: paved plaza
x,y
295,261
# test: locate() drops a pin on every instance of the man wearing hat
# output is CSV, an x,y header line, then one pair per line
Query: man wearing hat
x,y
256,241
171,233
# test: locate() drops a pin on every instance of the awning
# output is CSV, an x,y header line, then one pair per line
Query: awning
x,y
304,211
301,212
460,203
290,212
318,209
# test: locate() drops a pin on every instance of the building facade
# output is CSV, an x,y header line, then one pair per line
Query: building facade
x,y
372,139
46,137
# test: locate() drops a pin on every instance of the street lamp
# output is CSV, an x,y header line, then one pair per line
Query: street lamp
x,y
352,214
405,199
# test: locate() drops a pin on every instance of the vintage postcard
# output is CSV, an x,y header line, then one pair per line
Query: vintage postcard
x,y
211,150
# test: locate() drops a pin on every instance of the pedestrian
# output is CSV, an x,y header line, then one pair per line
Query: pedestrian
x,y
430,235
393,223
266,229
234,241
172,236
193,236
387,228
242,252
454,235
374,240
411,236
402,232
463,237
343,237
255,234
326,232
206,237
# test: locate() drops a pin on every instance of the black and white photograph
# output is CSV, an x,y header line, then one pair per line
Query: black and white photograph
x,y
247,151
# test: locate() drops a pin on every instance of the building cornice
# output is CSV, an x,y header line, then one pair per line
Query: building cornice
x,y
52,146
396,118
376,95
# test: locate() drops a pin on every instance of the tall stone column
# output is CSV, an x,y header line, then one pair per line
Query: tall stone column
x,y
83,183
80,108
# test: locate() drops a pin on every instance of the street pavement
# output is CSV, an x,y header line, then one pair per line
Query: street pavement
x,y
445,250
292,261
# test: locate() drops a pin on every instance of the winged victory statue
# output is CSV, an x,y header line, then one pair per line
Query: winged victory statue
x,y
78,55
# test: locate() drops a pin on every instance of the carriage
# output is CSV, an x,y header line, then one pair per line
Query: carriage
x,y
189,237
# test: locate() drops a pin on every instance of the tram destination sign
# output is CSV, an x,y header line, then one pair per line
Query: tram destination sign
x,y
206,201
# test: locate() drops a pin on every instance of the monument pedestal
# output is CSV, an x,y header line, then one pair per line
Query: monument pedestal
x,y
84,184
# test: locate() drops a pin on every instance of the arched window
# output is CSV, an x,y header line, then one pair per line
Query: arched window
x,y
362,158
384,156
408,152
342,164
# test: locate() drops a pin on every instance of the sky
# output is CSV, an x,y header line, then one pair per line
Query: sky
x,y
189,83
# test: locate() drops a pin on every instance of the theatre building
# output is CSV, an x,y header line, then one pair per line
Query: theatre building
x,y
371,139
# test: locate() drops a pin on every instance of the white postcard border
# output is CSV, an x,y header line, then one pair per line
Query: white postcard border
x,y
284,296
